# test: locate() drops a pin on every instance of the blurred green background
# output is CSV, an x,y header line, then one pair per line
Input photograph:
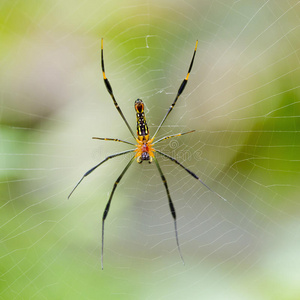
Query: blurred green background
x,y
243,101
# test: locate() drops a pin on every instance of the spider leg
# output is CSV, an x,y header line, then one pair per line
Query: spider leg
x,y
172,208
110,91
114,140
171,136
92,169
108,205
190,172
180,90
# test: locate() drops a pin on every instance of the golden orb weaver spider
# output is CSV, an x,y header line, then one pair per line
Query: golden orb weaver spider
x,y
144,150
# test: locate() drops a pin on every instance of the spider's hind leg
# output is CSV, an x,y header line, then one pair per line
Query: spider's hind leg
x,y
172,207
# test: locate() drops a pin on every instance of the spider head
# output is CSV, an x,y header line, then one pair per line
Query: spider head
x,y
139,105
144,156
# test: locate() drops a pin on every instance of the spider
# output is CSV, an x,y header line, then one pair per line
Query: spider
x,y
144,148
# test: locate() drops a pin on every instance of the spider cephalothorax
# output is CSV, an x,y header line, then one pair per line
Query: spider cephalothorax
x,y
144,151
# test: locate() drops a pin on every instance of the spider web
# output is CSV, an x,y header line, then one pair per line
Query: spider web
x,y
242,99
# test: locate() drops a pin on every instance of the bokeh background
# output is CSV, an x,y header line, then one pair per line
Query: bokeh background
x,y
243,101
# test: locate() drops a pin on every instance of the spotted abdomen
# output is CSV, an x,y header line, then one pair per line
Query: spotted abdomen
x,y
142,127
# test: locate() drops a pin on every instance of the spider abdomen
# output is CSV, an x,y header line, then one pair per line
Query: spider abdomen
x,y
142,127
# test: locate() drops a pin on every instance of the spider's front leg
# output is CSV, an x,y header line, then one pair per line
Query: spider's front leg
x,y
110,91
